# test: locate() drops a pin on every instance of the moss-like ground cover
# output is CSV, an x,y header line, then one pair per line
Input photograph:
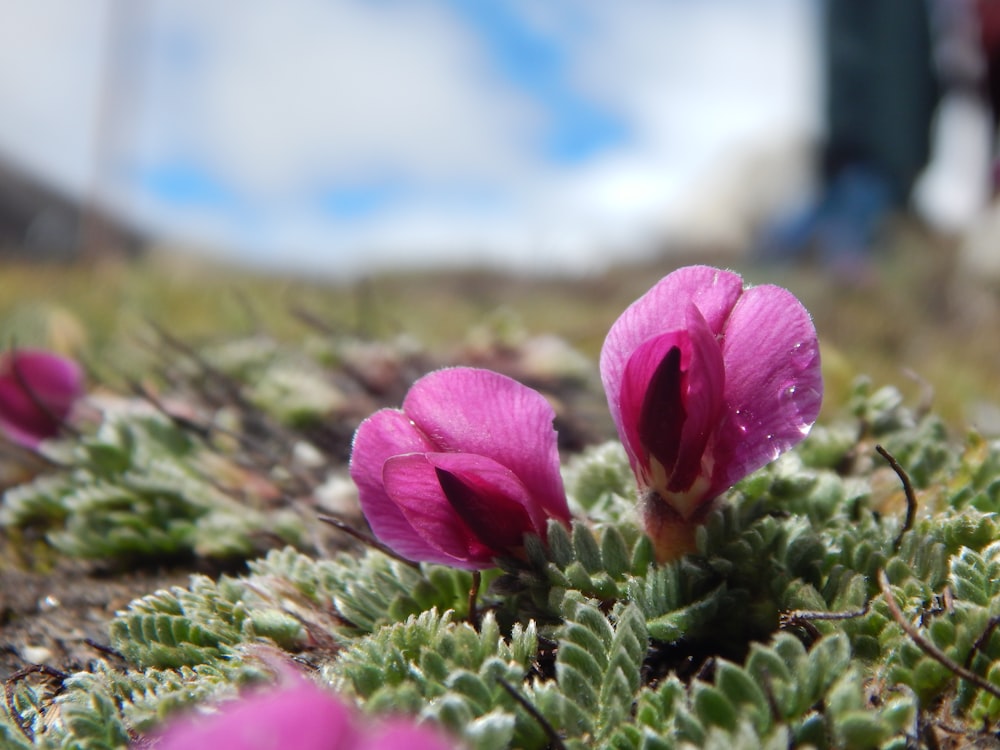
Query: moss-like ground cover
x,y
834,601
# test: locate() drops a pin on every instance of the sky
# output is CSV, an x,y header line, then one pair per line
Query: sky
x,y
339,136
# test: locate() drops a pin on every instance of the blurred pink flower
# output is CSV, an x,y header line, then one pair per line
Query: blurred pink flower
x,y
298,715
463,471
707,382
37,392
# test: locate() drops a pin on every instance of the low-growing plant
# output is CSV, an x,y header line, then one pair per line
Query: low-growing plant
x,y
844,595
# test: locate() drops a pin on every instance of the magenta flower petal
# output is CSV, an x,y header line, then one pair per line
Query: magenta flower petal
x,y
492,504
403,735
704,384
774,386
37,393
674,383
641,370
470,410
662,309
489,482
707,382
467,506
385,434
467,468
300,716
295,716
412,484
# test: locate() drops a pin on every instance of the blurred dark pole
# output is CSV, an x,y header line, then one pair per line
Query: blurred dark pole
x,y
99,238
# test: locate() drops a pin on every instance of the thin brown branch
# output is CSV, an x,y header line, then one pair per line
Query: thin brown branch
x,y
365,539
231,388
767,685
926,646
804,623
803,618
798,616
911,495
706,670
983,639
555,741
313,320
182,422
257,454
11,682
104,649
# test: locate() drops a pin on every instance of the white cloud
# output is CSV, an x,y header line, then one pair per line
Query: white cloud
x,y
697,78
286,95
281,98
50,68
698,83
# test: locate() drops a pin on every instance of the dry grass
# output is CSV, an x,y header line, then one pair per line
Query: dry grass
x,y
913,324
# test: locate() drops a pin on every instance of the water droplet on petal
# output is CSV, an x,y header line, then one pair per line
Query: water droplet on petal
x,y
744,418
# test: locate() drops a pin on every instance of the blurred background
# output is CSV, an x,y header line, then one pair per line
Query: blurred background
x,y
844,148
339,136
342,136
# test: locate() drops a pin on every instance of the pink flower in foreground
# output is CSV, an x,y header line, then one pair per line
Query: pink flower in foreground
x,y
299,716
463,471
37,392
707,382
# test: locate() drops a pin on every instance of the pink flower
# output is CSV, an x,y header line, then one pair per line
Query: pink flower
x,y
37,392
298,715
707,382
463,471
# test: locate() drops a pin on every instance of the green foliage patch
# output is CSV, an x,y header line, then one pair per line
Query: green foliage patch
x,y
135,490
775,633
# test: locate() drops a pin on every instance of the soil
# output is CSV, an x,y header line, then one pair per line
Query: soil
x,y
60,618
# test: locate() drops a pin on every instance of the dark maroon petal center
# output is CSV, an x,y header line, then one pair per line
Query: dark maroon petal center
x,y
661,420
19,408
496,520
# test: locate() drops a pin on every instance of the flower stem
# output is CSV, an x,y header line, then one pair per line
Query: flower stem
x,y
672,534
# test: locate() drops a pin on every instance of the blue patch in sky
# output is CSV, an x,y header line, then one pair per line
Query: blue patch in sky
x,y
578,128
361,200
185,184
357,201
536,64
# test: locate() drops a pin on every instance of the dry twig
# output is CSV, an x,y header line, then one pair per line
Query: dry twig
x,y
911,495
929,648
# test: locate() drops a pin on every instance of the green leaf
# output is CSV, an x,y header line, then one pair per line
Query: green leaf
x,y
859,730
560,544
714,708
92,720
673,626
614,553
586,549
492,731
741,690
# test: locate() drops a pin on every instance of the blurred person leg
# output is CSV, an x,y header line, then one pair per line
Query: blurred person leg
x,y
880,92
